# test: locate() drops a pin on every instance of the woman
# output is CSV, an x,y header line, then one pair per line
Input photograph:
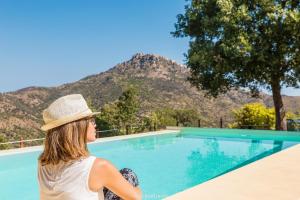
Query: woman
x,y
66,170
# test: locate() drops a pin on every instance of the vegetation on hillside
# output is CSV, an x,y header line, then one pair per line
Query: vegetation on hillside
x,y
125,116
121,114
2,140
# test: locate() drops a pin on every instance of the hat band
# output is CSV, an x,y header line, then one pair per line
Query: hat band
x,y
67,119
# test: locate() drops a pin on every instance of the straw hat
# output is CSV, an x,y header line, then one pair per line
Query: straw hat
x,y
64,110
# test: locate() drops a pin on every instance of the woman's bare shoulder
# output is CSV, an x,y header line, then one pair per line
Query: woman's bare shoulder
x,y
101,163
98,174
103,168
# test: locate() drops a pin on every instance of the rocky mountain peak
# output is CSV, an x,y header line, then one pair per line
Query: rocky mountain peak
x,y
152,66
152,58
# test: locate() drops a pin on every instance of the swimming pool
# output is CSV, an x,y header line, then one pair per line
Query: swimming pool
x,y
165,163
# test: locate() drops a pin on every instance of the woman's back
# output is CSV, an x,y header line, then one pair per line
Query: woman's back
x,y
69,126
67,181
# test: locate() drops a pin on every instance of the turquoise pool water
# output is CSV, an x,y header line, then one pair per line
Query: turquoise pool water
x,y
165,164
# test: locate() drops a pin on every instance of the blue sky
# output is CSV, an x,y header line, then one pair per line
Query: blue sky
x,y
51,42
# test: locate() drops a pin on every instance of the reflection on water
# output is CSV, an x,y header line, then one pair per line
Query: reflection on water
x,y
151,143
211,159
140,143
207,164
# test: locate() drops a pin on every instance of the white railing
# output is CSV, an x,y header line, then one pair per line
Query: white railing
x,y
21,142
107,130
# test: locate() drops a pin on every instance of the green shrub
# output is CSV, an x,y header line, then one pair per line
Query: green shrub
x,y
254,115
2,140
166,117
181,117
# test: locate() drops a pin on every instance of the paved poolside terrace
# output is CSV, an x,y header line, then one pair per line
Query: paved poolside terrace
x,y
275,177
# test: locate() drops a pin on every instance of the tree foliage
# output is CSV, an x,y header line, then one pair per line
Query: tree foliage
x,y
180,117
186,117
254,116
128,106
166,117
151,121
114,117
242,43
108,118
2,140
121,114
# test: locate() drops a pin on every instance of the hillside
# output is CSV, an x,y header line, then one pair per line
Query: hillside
x,y
160,81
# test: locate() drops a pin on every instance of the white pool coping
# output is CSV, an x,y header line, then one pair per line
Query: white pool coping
x,y
99,140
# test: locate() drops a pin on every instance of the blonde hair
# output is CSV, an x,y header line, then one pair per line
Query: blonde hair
x,y
65,143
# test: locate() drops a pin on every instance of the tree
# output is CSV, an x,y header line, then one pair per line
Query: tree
x,y
151,121
2,140
186,117
120,114
166,117
293,121
242,43
128,106
174,117
108,118
254,115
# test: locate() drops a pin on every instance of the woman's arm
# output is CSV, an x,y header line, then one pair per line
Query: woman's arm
x,y
104,174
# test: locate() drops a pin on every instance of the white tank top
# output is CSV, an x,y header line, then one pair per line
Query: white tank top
x,y
67,181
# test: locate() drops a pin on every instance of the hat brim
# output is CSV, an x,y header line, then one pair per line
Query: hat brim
x,y
66,120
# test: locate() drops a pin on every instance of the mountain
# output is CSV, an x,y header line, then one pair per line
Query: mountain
x,y
160,81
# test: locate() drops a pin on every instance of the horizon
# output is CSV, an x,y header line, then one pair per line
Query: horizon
x,y
50,43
